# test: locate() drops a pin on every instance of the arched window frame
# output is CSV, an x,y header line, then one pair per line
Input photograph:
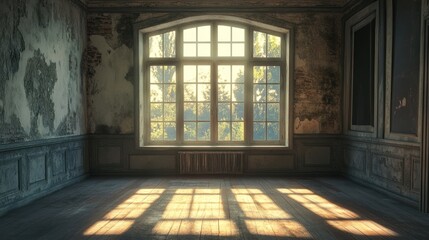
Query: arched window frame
x,y
145,28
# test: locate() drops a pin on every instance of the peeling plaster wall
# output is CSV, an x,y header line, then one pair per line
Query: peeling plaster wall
x,y
42,73
317,71
110,89
317,102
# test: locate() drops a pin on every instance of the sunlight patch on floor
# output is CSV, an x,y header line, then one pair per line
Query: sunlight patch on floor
x,y
123,216
336,216
264,217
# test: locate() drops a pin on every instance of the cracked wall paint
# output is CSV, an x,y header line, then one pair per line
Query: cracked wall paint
x,y
317,76
317,95
113,104
42,91
110,94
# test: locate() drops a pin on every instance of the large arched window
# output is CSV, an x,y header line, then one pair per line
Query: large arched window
x,y
213,82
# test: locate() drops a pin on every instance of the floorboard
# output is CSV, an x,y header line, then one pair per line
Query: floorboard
x,y
215,208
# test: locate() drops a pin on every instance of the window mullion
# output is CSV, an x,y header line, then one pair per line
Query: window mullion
x,y
180,89
248,101
213,85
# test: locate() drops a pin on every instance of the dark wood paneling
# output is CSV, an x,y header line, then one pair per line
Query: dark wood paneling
x,y
405,66
216,6
318,156
389,166
363,75
37,171
31,170
320,152
9,175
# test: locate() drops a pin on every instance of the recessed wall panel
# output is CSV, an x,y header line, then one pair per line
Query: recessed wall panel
x,y
390,168
317,156
36,168
9,176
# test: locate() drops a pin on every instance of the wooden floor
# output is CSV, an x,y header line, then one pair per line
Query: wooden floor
x,y
215,208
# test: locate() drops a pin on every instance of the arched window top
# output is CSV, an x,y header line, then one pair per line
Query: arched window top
x,y
145,27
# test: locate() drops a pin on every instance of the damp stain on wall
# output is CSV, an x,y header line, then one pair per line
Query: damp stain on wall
x,y
317,92
42,93
39,82
110,73
11,44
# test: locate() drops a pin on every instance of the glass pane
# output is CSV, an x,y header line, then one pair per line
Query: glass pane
x,y
156,112
190,35
155,46
224,73
156,131
204,34
237,131
190,92
189,50
273,74
224,112
204,131
238,73
156,73
190,131
190,112
273,93
237,111
223,33
237,92
273,131
169,74
189,73
273,112
170,93
203,92
156,93
259,74
203,111
170,112
224,92
224,131
258,131
204,49
238,49
259,93
259,44
259,112
170,131
204,73
237,34
224,49
274,46
170,44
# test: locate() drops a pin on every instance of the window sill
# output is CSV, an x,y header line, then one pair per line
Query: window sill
x,y
214,148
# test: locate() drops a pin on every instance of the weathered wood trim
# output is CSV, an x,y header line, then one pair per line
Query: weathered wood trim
x,y
72,152
81,3
41,142
333,9
424,199
215,7
353,24
368,149
385,142
388,82
303,142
